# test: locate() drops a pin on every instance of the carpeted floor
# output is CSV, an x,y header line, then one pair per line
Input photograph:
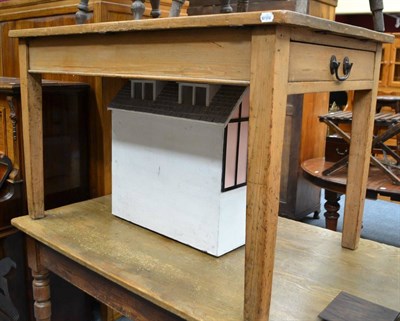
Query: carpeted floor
x,y
381,221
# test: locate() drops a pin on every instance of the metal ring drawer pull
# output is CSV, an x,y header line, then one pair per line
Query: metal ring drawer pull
x,y
344,153
334,67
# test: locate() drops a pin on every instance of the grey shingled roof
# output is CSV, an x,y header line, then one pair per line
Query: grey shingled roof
x,y
166,103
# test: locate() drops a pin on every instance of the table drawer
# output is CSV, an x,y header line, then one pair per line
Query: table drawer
x,y
312,63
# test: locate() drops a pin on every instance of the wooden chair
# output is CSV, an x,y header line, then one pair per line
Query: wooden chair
x,y
83,14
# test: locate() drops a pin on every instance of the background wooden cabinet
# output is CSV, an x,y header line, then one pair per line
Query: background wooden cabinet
x,y
389,79
47,13
66,159
65,137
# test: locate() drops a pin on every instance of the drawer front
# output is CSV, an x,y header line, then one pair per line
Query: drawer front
x,y
312,63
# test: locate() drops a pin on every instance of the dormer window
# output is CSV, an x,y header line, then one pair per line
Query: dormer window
x,y
196,94
146,89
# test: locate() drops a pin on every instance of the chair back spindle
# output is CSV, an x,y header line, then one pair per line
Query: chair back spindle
x,y
83,14
226,6
176,6
138,8
243,6
155,8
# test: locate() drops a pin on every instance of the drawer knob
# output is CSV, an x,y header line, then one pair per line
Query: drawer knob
x,y
334,67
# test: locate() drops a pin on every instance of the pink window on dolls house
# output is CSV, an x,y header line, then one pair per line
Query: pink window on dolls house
x,y
236,132
235,147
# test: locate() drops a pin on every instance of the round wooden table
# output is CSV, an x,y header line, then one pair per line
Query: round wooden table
x,y
335,186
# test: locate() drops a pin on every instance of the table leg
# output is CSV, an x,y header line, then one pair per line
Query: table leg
x,y
41,295
40,284
268,98
359,159
31,98
332,207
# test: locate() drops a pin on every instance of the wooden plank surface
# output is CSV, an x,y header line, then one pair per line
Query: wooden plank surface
x,y
310,266
311,62
208,21
138,55
133,306
269,70
32,122
359,159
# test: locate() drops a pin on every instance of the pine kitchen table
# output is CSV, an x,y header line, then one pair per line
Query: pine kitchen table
x,y
276,53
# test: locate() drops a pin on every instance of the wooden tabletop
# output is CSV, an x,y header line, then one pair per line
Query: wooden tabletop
x,y
310,267
378,183
218,20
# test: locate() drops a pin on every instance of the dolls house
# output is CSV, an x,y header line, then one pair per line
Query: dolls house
x,y
179,154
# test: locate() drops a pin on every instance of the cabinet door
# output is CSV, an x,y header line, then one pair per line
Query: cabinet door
x,y
9,130
394,64
385,63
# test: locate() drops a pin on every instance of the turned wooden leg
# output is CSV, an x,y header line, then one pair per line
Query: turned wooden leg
x,y
176,6
226,6
83,14
41,295
40,283
332,208
138,8
243,5
155,8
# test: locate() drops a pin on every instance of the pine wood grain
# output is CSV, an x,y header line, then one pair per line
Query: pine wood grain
x,y
310,269
306,61
136,307
188,56
23,9
359,159
31,98
232,19
270,55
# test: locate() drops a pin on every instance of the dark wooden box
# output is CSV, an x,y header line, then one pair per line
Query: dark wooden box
x,y
336,148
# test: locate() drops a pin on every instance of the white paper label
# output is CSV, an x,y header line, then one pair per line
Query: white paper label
x,y
267,17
